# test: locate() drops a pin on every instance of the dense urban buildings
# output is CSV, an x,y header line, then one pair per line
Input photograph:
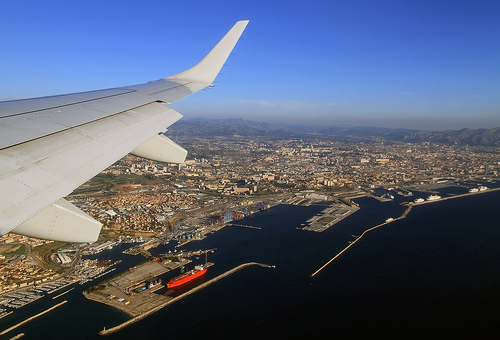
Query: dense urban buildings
x,y
136,197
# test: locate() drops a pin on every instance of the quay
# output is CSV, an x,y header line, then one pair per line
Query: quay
x,y
243,226
455,196
121,291
69,290
172,300
5,314
329,217
61,287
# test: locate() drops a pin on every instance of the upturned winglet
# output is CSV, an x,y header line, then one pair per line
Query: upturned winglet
x,y
207,69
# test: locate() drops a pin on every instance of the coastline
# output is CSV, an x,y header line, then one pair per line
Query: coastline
x,y
310,236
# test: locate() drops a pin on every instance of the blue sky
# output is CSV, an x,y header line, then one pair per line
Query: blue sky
x,y
430,65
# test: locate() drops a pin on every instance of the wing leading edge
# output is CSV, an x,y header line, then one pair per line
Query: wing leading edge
x,y
50,146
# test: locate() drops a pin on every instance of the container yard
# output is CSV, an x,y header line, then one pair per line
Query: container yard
x,y
328,217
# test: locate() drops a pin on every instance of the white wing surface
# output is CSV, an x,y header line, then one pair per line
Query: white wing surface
x,y
50,146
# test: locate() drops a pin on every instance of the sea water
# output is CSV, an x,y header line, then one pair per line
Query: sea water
x,y
434,274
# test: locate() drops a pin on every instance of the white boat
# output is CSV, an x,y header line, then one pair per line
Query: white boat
x,y
483,188
433,197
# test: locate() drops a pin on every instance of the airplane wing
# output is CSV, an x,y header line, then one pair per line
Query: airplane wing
x,y
49,146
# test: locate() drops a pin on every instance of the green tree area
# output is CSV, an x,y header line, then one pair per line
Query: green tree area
x,y
12,249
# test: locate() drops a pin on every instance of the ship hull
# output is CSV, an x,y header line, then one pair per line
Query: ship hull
x,y
180,280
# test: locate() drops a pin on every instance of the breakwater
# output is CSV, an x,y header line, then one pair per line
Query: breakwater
x,y
31,318
405,213
201,286
69,290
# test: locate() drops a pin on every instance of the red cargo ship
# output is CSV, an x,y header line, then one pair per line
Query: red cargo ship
x,y
186,277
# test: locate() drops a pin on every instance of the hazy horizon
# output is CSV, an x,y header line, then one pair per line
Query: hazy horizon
x,y
364,123
424,65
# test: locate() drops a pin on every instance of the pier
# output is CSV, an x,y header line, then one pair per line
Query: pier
x,y
243,226
457,196
69,290
69,283
164,304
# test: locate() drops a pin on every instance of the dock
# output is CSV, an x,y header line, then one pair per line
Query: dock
x,y
119,291
329,217
69,290
69,283
455,196
165,302
242,226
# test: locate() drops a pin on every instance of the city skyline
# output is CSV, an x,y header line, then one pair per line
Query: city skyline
x,y
423,65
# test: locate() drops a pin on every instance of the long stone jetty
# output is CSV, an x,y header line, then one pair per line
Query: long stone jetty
x,y
201,286
405,213
32,318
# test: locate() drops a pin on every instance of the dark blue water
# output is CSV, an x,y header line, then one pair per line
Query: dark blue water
x,y
435,274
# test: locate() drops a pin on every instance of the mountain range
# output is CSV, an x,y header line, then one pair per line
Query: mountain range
x,y
203,127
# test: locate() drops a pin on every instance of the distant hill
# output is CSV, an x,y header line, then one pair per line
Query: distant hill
x,y
226,127
473,137
242,127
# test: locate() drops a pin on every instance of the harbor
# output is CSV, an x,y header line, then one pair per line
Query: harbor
x,y
135,291
15,300
161,303
431,199
277,223
153,297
